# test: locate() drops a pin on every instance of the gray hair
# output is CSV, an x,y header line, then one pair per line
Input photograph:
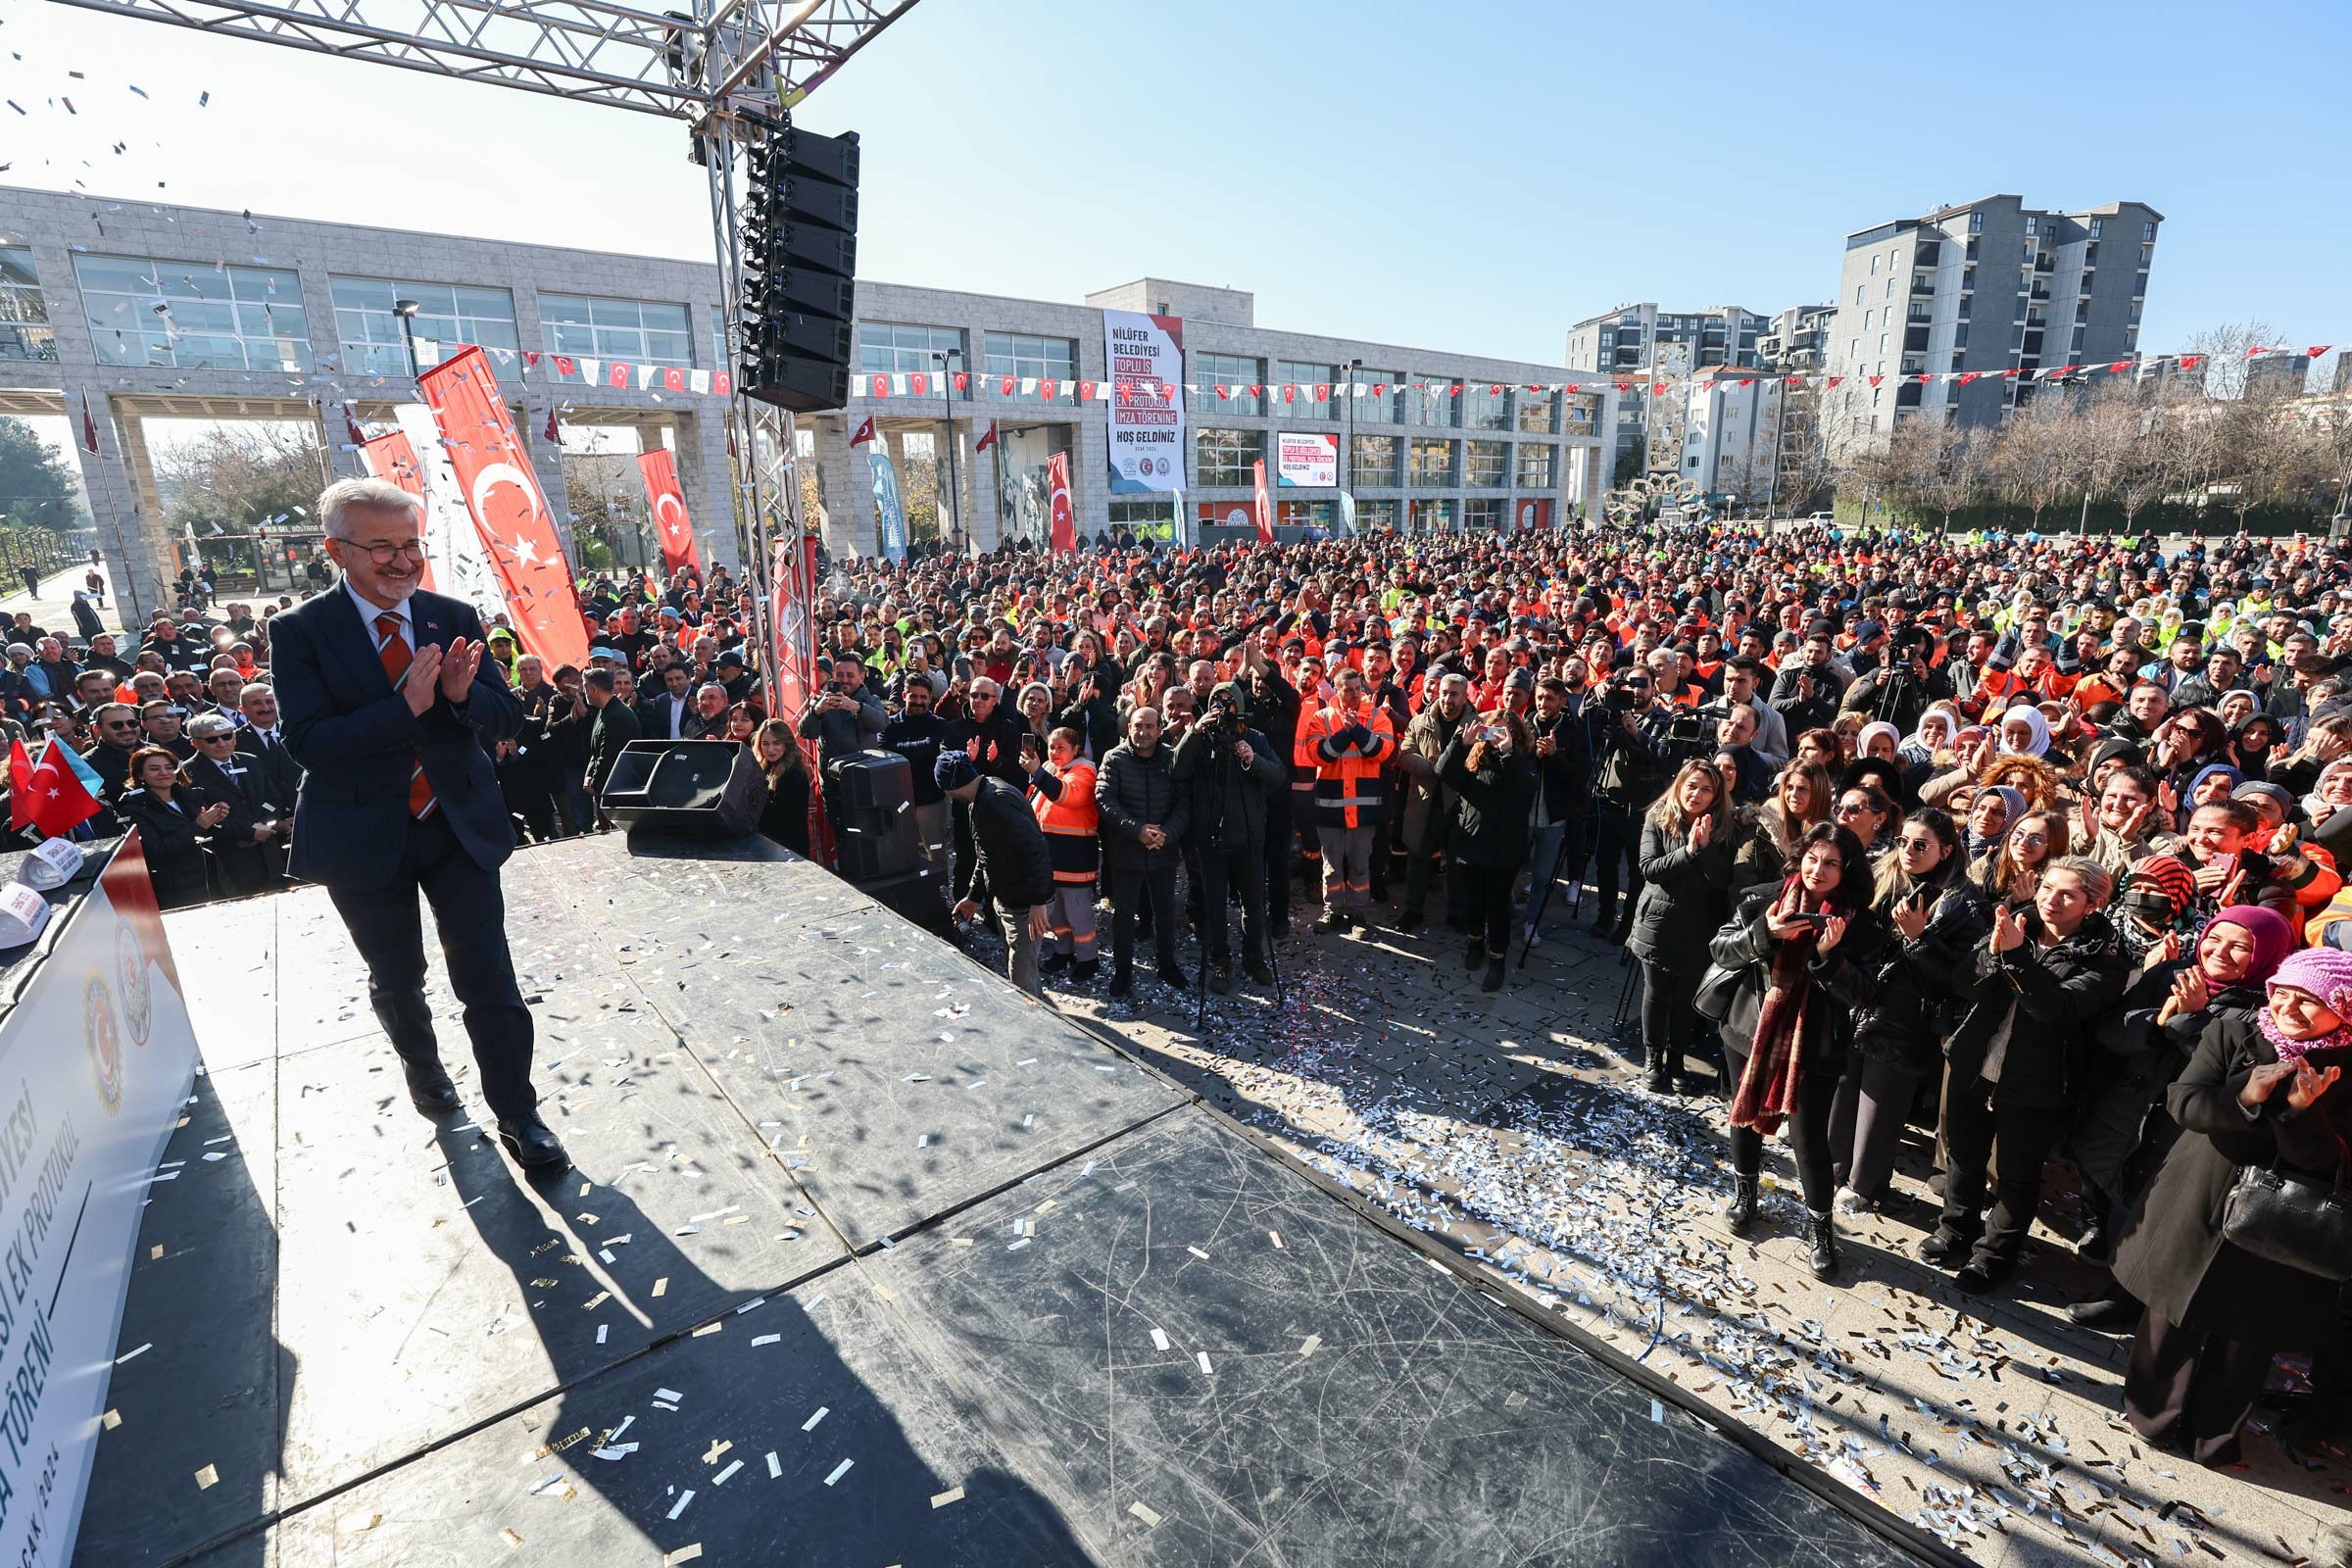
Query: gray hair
x,y
204,725
344,493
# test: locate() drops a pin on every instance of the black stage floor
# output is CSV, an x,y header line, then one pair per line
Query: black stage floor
x,y
868,1259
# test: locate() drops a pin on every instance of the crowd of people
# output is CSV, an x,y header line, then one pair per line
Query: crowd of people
x,y
2030,841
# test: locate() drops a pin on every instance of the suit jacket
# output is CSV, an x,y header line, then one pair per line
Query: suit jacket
x,y
244,867
610,728
653,719
358,742
281,775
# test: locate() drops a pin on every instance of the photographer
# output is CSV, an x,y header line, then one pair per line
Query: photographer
x,y
1227,773
1563,803
1426,808
1901,687
1631,741
1488,769
1806,692
1742,678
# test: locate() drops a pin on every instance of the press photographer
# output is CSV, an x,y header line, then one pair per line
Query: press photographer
x,y
1226,772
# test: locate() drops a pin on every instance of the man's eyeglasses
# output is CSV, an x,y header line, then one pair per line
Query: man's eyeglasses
x,y
385,554
122,724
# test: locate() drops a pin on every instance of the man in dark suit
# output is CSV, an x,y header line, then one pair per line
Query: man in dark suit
x,y
612,726
667,715
240,844
391,710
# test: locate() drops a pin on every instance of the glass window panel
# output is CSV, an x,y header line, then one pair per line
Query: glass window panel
x,y
1372,460
1490,465
1486,515
1386,407
1434,402
1303,377
1432,463
224,318
1485,406
1539,412
1227,458
1537,464
1235,373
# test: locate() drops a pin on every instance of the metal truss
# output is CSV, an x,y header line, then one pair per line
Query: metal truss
x,y
753,57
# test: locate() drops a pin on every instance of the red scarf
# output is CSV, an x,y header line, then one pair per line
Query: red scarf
x,y
1767,1092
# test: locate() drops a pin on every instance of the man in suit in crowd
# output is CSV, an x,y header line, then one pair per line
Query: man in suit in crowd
x,y
613,726
262,742
392,710
241,842
664,716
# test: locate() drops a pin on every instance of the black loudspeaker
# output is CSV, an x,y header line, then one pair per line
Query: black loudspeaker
x,y
873,797
800,252
709,788
919,895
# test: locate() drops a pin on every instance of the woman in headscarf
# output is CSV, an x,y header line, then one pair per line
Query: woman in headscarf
x,y
1991,810
2251,740
1879,741
2024,732
2264,1091
2122,1133
1938,726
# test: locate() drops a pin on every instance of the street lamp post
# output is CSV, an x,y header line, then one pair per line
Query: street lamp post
x,y
406,310
946,403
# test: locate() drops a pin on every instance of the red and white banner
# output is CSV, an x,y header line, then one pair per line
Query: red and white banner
x,y
1265,507
1064,535
493,476
390,457
668,500
1146,426
792,659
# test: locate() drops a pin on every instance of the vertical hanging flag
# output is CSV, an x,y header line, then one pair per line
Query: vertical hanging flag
x,y
1264,509
987,440
455,562
390,457
1065,519
89,427
792,657
661,488
866,432
494,474
890,518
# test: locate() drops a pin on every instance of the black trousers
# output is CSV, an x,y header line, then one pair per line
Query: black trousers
x,y
469,913
1808,1132
2013,1141
1670,1024
1128,890
1276,860
1482,894
1238,868
1421,860
1616,856
2192,1392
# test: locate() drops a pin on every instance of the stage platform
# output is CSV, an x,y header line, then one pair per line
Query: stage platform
x,y
867,1259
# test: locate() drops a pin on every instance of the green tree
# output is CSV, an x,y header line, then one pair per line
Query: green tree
x,y
237,475
36,480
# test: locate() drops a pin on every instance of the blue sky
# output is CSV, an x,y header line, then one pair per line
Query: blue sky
x,y
1471,177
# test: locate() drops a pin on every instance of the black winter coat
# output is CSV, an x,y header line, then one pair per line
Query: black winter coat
x,y
1744,946
2059,993
2170,1252
169,839
1905,990
1685,896
1131,792
1490,808
2133,1064
1225,801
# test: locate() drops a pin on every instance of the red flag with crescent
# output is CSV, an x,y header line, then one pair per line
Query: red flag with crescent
x,y
517,526
1058,488
1263,508
668,500
390,457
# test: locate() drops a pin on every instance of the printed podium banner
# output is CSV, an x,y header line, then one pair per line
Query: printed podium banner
x,y
95,1059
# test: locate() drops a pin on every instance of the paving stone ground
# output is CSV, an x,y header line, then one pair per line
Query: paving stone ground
x,y
1511,1127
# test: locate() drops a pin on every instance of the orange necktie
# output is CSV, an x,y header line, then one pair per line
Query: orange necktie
x,y
393,650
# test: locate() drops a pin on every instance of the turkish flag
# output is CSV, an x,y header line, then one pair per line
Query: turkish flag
x,y
60,802
1797,380
866,432
987,440
722,383
2316,350
1224,393
1657,389
963,380
89,426
1290,393
1049,389
518,527
1086,391
877,386
662,489
793,657
918,384
618,375
20,786
1263,506
1064,536
1833,381
1875,379
1006,384
563,365
2189,362
552,435
390,457
673,379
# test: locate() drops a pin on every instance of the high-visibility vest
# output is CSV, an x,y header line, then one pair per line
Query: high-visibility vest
x,y
1071,822
1347,777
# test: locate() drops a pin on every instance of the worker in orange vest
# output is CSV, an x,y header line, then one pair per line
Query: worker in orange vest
x,y
1343,746
1061,791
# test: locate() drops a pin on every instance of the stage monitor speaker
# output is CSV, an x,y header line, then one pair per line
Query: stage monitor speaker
x,y
875,781
919,895
708,788
873,797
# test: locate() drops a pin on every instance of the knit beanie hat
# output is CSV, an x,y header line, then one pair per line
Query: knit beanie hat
x,y
953,770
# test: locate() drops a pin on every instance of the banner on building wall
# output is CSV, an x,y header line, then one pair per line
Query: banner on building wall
x,y
1305,458
456,562
1265,506
1532,512
493,473
99,1052
1063,519
890,517
1144,355
660,472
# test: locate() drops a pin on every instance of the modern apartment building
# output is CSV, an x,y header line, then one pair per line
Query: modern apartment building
x,y
1642,337
1989,287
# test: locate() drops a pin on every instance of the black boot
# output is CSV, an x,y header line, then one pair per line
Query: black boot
x,y
1823,1236
2117,1309
1654,1076
1477,955
1054,964
1740,1213
1947,1248
1493,979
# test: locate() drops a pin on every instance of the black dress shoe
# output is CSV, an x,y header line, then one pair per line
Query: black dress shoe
x,y
2114,1312
429,1088
533,1146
